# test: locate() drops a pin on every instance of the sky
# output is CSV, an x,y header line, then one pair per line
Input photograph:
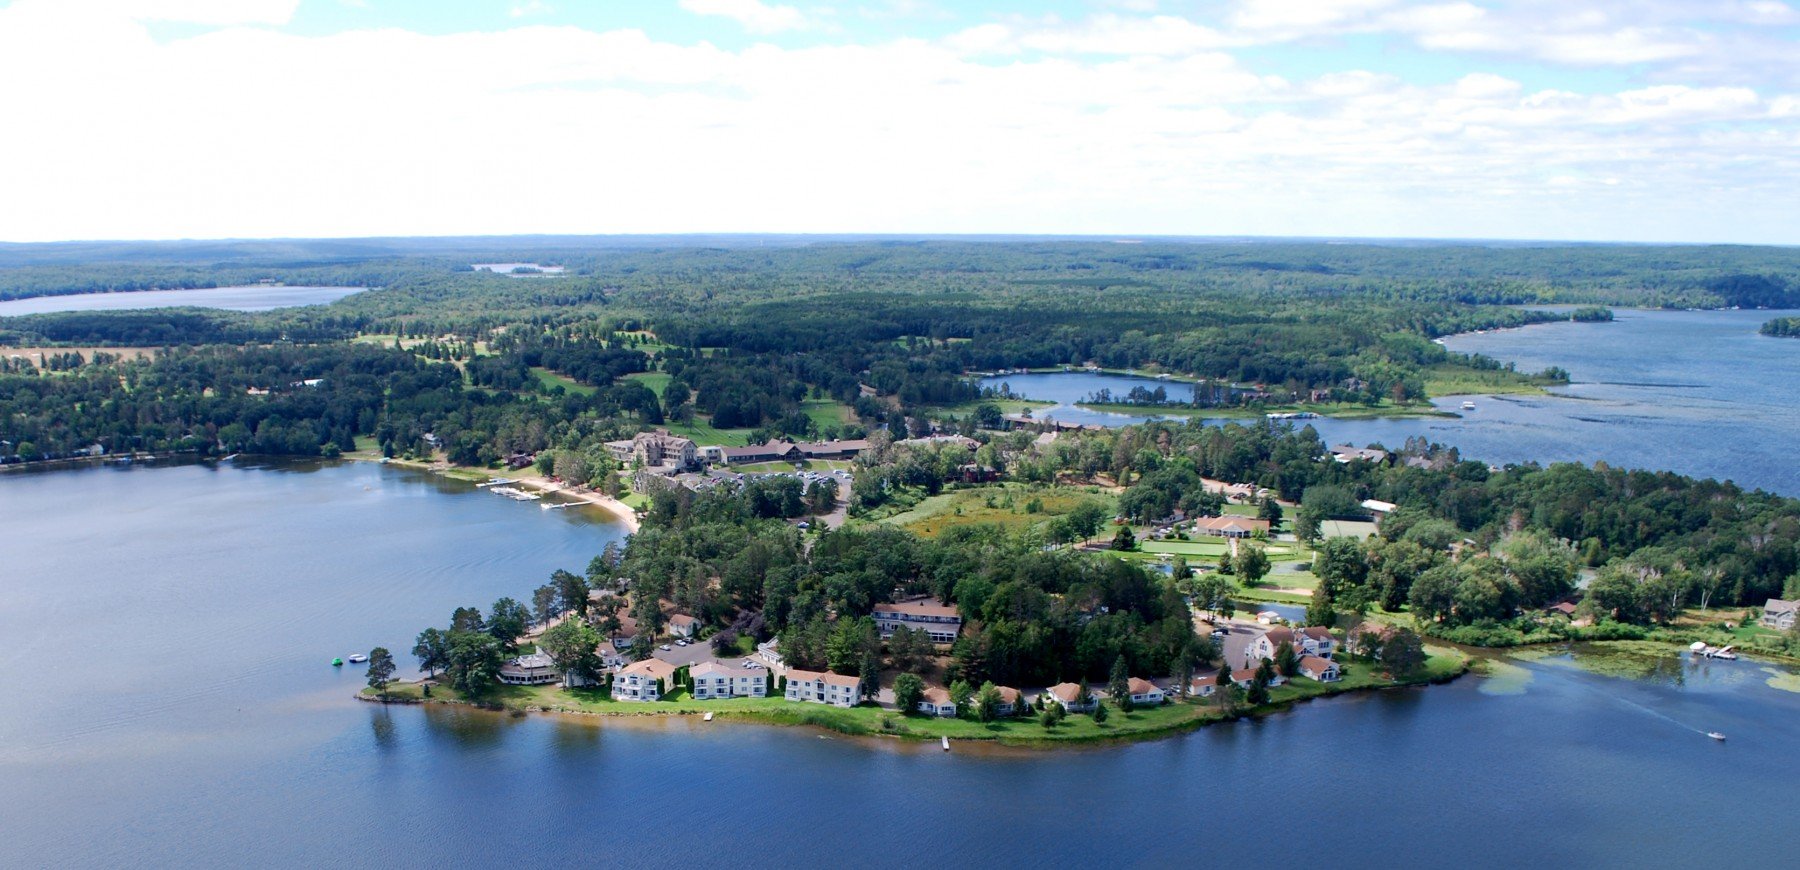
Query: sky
x,y
1590,120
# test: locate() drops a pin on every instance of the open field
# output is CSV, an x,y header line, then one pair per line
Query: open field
x,y
36,354
1448,380
959,507
552,379
656,381
702,432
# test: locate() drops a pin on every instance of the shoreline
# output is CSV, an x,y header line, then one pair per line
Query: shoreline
x,y
1174,718
621,511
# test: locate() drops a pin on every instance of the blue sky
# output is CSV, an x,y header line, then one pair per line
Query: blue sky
x,y
1650,120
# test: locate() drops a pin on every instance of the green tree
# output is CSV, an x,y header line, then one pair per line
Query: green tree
x,y
909,690
987,702
1259,685
381,670
868,671
1118,683
507,622
572,645
1123,540
1403,653
432,650
1321,611
543,603
1099,712
1252,563
960,694
474,659
1179,570
1286,661
467,619
1270,510
571,591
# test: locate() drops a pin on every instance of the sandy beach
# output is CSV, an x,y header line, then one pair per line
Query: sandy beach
x,y
617,508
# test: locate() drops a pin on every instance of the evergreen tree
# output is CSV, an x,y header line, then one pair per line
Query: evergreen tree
x,y
381,670
1320,611
1118,684
1099,712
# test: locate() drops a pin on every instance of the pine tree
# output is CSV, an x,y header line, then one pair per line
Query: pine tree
x,y
1118,684
1099,712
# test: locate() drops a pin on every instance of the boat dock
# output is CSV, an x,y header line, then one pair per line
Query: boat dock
x,y
515,493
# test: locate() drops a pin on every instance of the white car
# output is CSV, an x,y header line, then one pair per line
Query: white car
x,y
665,647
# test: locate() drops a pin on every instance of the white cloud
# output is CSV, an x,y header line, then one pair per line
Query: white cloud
x,y
248,131
754,15
206,12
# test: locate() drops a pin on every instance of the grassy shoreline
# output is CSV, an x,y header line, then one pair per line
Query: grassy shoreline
x,y
1444,665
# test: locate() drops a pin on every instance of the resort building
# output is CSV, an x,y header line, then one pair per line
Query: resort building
x,y
771,451
1317,640
1265,645
770,652
834,449
529,670
1779,614
639,681
657,450
938,620
1231,527
823,688
1345,453
936,702
1069,695
1243,677
714,680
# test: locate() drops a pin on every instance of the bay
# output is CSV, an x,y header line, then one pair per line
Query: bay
x,y
1696,392
251,298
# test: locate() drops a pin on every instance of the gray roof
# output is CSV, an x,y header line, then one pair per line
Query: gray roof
x,y
1778,605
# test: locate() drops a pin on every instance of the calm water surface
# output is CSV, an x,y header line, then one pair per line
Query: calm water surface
x,y
256,298
170,704
1698,392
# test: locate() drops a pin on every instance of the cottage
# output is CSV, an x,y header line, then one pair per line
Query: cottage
x,y
837,690
1070,695
1265,645
1243,677
1009,700
1367,638
1204,684
936,702
1345,453
1779,614
610,656
1323,670
1231,527
529,670
713,680
683,625
936,619
1145,693
643,681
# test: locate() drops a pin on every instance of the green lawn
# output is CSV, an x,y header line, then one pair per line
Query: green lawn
x,y
809,464
703,433
1453,380
827,414
552,379
959,507
656,381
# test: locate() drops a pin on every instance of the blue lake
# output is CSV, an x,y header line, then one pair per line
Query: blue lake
x,y
1698,392
170,703
253,298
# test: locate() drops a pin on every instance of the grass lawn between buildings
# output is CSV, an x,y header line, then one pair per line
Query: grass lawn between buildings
x,y
1442,665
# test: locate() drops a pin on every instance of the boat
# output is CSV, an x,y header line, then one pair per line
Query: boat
x,y
358,658
946,742
1715,735
707,717
1468,406
337,663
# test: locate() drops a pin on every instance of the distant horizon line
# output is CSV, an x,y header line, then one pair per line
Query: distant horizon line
x,y
1116,238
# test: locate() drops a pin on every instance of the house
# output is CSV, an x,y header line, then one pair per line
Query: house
x,y
1244,676
1231,527
610,656
1204,684
714,680
1317,640
1564,608
1345,453
1069,696
529,670
938,620
1145,693
837,690
1323,670
1779,614
1009,700
1265,645
639,681
683,625
770,652
936,702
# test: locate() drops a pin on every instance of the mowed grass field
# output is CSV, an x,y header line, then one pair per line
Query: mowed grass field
x,y
1004,505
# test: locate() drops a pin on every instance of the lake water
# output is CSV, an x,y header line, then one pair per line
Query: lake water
x,y
170,703
253,298
1698,392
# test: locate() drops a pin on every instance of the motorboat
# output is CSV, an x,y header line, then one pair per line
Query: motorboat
x,y
1468,406
1715,735
358,659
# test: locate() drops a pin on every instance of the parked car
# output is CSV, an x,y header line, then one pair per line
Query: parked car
x,y
665,647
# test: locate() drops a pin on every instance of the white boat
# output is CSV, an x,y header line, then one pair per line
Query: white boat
x,y
357,659
946,742
1715,735
708,716
1468,406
